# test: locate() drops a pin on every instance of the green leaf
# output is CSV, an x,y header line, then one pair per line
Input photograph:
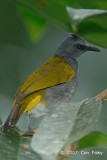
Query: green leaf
x,y
94,30
64,125
53,11
0,121
78,15
13,146
34,24
90,23
92,140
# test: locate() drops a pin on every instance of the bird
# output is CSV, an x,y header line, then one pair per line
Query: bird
x,y
52,84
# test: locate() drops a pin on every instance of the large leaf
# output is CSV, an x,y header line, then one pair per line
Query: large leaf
x,y
64,125
55,11
34,24
13,146
92,140
78,15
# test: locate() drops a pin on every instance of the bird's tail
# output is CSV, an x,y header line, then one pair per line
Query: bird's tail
x,y
12,118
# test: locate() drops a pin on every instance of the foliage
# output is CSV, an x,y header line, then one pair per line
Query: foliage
x,y
64,125
92,140
13,146
34,24
93,28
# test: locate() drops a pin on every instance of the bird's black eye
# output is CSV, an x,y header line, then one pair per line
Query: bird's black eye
x,y
80,46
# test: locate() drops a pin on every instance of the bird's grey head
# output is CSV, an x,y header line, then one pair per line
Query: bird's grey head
x,y
74,46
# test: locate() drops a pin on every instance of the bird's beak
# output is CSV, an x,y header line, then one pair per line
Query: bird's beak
x,y
91,48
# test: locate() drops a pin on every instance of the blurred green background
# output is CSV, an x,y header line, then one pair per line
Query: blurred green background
x,y
19,57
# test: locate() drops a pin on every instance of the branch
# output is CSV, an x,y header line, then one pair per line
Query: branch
x,y
103,95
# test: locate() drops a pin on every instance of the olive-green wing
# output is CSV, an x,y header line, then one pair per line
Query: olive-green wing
x,y
53,72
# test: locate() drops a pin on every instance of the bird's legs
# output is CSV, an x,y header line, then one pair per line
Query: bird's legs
x,y
29,121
